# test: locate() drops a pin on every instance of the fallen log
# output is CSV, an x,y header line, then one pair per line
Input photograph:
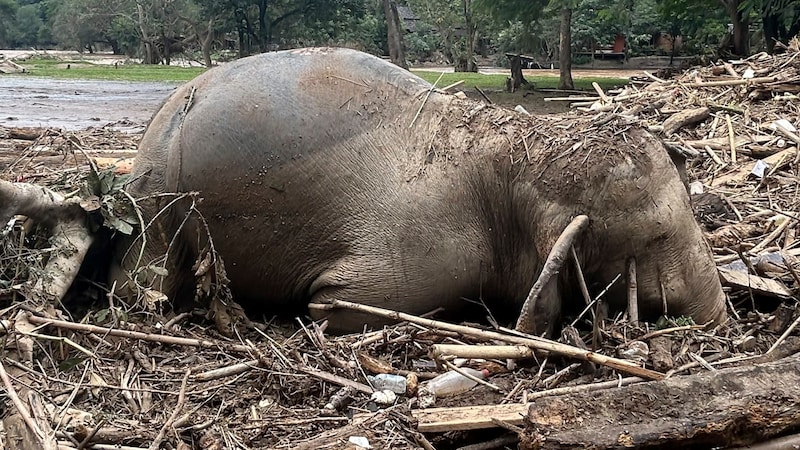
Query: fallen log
x,y
736,406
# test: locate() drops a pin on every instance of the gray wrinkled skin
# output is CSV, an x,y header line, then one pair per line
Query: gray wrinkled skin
x,y
318,183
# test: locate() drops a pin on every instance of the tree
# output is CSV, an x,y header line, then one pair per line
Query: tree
x,y
457,27
8,14
780,19
565,46
29,23
394,32
740,19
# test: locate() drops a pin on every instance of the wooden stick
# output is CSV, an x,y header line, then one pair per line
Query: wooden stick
x,y
533,342
730,70
483,94
733,82
686,117
22,410
337,380
553,264
156,444
713,155
633,296
784,335
425,100
731,138
653,77
491,386
572,99
787,222
657,333
449,87
581,279
681,412
440,351
600,92
227,371
138,335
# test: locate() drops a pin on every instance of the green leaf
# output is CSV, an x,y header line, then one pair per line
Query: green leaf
x,y
116,224
119,182
106,182
93,183
101,315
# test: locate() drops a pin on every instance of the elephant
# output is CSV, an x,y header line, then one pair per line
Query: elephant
x,y
328,173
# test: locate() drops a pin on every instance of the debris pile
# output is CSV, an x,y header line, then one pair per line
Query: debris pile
x,y
97,373
737,122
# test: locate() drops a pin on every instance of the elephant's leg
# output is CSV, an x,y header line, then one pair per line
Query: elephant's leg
x,y
385,283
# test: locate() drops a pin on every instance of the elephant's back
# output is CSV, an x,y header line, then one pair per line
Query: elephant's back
x,y
297,153
275,109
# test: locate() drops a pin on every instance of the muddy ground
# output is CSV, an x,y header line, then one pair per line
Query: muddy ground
x,y
78,104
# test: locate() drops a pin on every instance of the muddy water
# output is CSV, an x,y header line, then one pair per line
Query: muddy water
x,y
77,104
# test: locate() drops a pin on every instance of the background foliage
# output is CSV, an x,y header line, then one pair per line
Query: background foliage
x,y
440,30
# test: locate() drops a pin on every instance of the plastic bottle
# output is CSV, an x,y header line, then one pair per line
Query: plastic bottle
x,y
388,382
452,382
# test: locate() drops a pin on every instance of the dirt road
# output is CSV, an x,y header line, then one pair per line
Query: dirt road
x,y
77,104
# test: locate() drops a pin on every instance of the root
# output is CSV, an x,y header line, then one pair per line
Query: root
x,y
71,236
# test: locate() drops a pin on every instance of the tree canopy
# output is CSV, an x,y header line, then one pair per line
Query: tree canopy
x,y
446,31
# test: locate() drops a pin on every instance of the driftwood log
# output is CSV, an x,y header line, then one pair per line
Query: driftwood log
x,y
736,406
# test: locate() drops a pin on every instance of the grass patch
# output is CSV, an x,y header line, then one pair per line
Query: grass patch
x,y
86,70
498,81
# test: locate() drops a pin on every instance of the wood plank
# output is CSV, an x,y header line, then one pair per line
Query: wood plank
x,y
780,159
760,285
434,420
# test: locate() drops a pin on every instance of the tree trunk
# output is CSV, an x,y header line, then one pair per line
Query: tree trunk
x,y
205,44
166,58
471,36
394,34
263,31
727,407
741,27
517,78
565,50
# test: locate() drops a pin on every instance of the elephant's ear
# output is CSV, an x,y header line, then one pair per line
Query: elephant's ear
x,y
679,160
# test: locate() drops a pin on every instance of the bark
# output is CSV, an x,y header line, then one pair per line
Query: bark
x,y
736,406
771,27
565,50
263,32
471,37
147,39
205,44
741,25
394,34
517,78
71,237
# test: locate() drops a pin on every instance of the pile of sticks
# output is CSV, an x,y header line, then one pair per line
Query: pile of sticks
x,y
737,123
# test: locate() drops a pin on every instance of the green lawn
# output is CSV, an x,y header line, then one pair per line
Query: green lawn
x,y
498,81
53,68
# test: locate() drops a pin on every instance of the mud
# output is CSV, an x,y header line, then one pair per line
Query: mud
x,y
79,104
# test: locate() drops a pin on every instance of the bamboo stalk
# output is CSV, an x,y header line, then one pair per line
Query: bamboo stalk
x,y
733,82
731,138
533,342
